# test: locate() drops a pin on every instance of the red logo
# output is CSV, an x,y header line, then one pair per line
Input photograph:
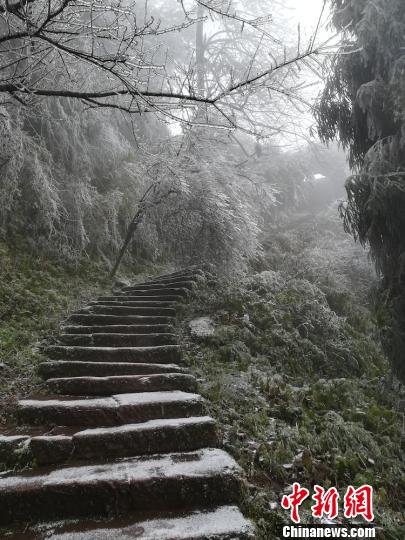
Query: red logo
x,y
357,502
294,501
326,503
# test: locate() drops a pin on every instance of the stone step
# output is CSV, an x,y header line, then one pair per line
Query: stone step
x,y
128,301
221,523
186,274
103,320
119,329
160,286
135,486
152,437
170,481
61,369
170,291
122,384
160,354
117,340
173,282
110,411
120,297
121,309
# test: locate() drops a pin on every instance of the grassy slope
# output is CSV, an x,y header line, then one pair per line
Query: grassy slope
x,y
296,377
35,295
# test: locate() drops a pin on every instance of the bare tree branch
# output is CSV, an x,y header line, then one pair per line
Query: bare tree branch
x,y
96,52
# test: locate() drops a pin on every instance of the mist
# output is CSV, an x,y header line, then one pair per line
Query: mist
x,y
201,215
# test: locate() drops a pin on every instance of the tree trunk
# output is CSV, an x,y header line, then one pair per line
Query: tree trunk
x,y
199,52
130,233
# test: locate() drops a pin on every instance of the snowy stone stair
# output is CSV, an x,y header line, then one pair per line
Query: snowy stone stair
x,y
126,430
115,410
156,291
160,354
109,339
90,319
122,384
207,477
124,297
119,329
223,523
151,437
61,369
106,443
192,275
190,282
126,301
104,309
156,285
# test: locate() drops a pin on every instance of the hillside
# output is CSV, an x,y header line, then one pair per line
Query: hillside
x,y
295,374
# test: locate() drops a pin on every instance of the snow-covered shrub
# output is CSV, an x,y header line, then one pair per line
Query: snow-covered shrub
x,y
73,180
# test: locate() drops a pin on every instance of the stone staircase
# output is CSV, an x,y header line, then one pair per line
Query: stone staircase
x,y
121,442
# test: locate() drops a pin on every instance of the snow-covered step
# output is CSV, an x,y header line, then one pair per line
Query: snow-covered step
x,y
109,339
189,275
122,384
207,477
119,329
173,282
221,523
151,437
90,319
60,368
185,282
129,310
181,272
160,354
192,275
125,301
167,291
161,286
120,297
110,411
165,282
122,347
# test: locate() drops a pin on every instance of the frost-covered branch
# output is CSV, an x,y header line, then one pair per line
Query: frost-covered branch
x,y
115,54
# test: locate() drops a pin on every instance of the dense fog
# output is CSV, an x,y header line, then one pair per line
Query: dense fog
x,y
256,145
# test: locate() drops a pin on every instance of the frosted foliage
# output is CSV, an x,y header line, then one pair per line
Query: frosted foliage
x,y
268,280
64,180
72,181
208,212
307,301
309,290
10,162
350,436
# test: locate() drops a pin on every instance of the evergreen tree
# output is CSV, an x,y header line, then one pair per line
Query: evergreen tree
x,y
363,106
